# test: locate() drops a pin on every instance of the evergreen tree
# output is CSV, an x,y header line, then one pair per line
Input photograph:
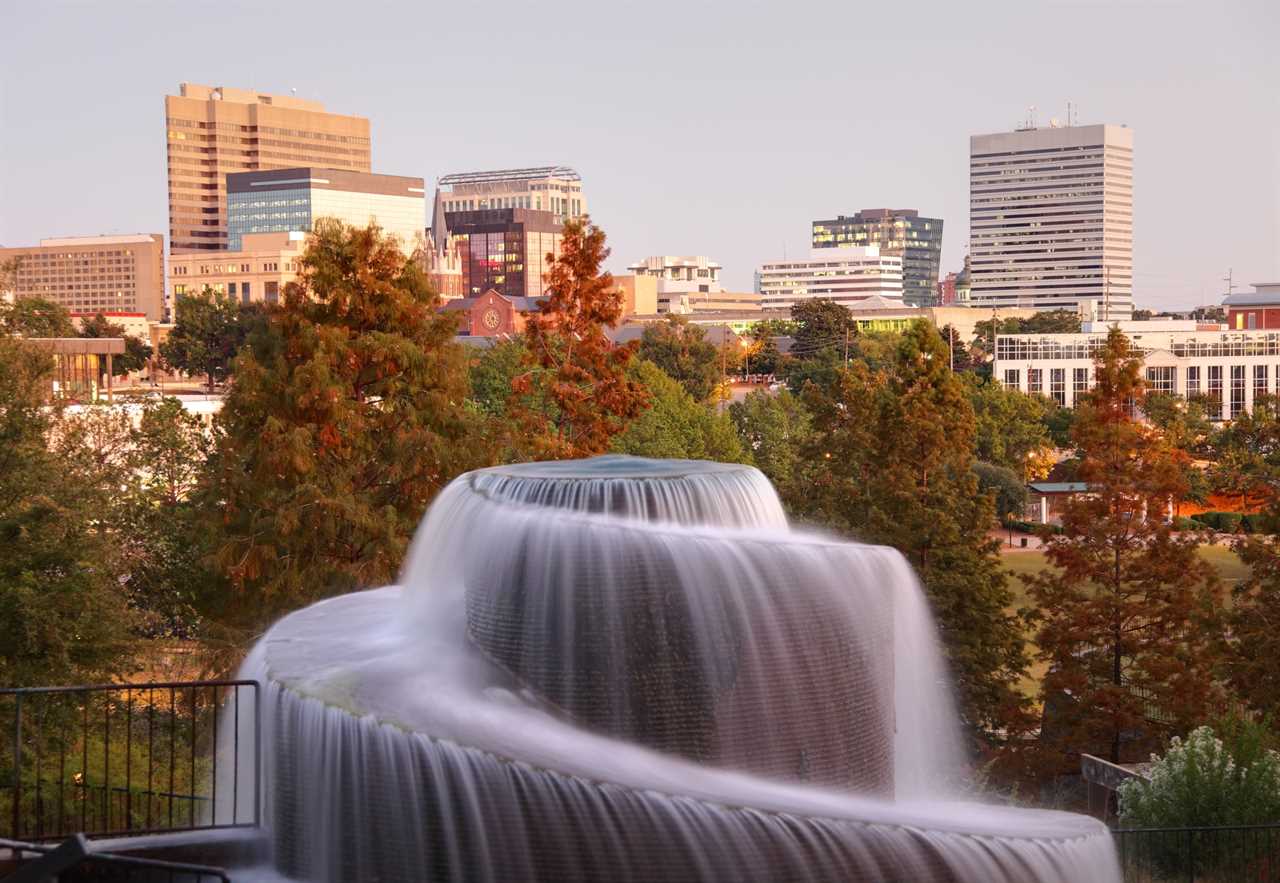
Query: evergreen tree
x,y
346,417
674,425
575,394
683,353
1127,609
894,465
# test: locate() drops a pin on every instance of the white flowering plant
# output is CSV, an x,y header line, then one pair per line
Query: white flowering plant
x,y
1200,782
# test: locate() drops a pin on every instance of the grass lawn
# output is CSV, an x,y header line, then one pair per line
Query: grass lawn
x,y
1228,564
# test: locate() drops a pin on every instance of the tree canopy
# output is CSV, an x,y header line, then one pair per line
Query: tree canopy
x,y
346,417
684,354
675,425
209,330
575,394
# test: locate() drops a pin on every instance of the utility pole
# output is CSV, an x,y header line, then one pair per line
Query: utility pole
x,y
846,346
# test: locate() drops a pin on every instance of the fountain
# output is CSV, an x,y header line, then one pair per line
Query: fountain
x,y
626,669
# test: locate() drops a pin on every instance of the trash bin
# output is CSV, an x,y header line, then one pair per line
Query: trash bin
x,y
1024,542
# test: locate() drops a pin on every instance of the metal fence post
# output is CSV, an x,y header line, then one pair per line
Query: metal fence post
x,y
17,763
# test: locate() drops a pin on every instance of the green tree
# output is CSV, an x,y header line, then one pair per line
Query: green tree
x,y
893,455
821,324
1127,608
346,417
575,394
776,429
209,330
62,615
36,317
1245,453
136,355
1008,489
675,425
1009,427
684,354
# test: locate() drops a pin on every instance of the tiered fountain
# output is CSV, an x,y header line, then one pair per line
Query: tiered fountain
x,y
623,669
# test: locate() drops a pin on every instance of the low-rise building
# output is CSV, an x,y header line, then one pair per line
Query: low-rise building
x,y
639,294
845,275
257,273
492,314
680,274
708,302
92,274
1259,308
1228,369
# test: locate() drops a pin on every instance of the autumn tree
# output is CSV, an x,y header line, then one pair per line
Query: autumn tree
x,y
575,394
1127,608
346,417
683,352
673,424
892,455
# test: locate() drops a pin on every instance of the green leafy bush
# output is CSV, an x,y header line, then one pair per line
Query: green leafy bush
x,y
1205,782
1183,523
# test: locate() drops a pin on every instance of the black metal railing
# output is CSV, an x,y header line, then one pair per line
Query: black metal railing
x,y
74,860
118,759
1247,853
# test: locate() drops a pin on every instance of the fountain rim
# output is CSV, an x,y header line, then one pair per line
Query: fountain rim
x,y
773,535
781,799
583,469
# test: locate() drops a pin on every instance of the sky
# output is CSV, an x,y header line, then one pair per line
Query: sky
x,y
720,129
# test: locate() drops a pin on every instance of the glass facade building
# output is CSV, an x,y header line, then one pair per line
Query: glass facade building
x,y
288,200
505,249
895,231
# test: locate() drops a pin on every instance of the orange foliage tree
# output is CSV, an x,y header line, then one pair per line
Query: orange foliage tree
x,y
1127,610
576,394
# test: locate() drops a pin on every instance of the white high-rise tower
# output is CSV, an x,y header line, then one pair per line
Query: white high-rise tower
x,y
1051,219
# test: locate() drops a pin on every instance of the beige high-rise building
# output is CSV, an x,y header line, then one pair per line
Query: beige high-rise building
x,y
94,274
1051,219
213,130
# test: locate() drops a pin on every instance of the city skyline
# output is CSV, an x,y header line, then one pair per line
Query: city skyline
x,y
685,153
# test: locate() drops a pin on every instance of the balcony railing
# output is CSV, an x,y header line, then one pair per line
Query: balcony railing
x,y
121,759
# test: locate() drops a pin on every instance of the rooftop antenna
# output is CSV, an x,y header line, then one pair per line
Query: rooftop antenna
x,y
1228,279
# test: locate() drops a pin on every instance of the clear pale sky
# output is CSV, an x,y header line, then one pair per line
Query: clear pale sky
x,y
719,129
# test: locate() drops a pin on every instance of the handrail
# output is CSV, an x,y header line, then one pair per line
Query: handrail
x,y
76,850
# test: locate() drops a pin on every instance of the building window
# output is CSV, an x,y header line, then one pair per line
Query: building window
x,y
231,288
1259,381
1161,380
1214,392
272,291
244,292
1035,380
1058,385
1079,381
1237,390
1193,381
1012,378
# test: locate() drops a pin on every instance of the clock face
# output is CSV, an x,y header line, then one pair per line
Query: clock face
x,y
491,319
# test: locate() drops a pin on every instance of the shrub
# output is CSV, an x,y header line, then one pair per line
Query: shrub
x,y
1204,781
1182,523
1229,522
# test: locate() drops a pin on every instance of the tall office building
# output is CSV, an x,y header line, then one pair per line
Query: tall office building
x,y
284,200
94,274
555,189
213,131
1051,219
845,275
895,231
505,249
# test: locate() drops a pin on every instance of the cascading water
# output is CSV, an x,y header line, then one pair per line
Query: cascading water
x,y
622,669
